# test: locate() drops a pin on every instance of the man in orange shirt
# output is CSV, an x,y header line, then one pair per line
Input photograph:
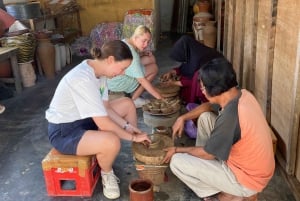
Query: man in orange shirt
x,y
233,157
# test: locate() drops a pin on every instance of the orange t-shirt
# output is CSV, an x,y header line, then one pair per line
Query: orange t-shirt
x,y
252,158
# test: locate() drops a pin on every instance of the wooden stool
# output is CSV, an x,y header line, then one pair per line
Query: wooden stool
x,y
82,172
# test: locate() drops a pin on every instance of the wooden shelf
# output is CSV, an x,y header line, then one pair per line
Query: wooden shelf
x,y
60,21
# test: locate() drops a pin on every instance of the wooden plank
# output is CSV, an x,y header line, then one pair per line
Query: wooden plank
x,y
285,101
228,29
219,23
238,29
249,49
264,23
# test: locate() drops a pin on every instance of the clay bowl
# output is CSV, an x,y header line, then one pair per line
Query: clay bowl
x,y
166,110
161,130
155,140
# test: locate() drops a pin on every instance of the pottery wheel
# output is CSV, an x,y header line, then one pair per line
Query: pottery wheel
x,y
152,155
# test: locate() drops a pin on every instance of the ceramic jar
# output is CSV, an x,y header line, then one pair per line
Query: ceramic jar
x,y
27,74
201,6
46,57
199,21
210,34
141,190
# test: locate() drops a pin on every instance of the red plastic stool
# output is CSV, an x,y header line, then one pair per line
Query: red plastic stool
x,y
82,172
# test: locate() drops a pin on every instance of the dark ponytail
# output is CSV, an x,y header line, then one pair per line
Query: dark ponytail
x,y
116,48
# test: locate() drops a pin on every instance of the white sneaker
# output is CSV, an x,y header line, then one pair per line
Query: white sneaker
x,y
139,102
110,185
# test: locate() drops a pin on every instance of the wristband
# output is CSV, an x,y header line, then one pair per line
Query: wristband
x,y
126,125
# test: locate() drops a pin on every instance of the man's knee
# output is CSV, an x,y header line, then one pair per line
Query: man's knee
x,y
206,117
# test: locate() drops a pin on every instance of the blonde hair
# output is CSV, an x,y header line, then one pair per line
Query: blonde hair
x,y
140,30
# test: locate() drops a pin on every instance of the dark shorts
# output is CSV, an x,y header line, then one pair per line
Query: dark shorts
x,y
65,136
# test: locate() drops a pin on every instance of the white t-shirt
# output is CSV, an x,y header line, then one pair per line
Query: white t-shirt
x,y
79,95
128,82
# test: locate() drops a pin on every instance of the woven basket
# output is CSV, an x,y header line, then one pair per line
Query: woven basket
x,y
25,42
155,174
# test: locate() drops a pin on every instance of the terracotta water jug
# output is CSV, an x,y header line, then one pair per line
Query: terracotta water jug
x,y
46,57
210,34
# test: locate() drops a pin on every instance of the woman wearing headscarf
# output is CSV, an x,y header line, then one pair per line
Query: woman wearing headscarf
x,y
192,55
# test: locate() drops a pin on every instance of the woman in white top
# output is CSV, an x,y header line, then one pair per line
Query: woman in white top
x,y
143,69
81,119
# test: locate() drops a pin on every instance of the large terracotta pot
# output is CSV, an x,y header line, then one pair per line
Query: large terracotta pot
x,y
46,56
141,190
210,34
5,69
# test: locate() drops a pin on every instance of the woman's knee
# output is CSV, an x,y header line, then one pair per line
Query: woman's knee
x,y
124,102
113,143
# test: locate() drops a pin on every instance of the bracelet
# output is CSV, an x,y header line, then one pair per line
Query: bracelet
x,y
126,125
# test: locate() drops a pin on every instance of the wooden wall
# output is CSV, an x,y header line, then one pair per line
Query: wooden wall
x,y
262,40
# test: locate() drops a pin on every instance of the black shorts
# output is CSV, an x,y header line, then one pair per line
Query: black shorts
x,y
65,136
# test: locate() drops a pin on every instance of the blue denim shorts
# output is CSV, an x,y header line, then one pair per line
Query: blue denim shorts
x,y
65,136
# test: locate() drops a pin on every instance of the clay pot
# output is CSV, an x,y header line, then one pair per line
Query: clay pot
x,y
201,6
210,34
141,190
162,130
199,21
46,56
27,74
5,69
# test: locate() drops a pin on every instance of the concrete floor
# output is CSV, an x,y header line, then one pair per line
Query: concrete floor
x,y
24,143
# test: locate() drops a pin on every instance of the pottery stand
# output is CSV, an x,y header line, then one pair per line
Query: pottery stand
x,y
156,121
148,159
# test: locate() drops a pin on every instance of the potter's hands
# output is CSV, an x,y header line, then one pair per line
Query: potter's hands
x,y
142,138
178,128
170,152
167,76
